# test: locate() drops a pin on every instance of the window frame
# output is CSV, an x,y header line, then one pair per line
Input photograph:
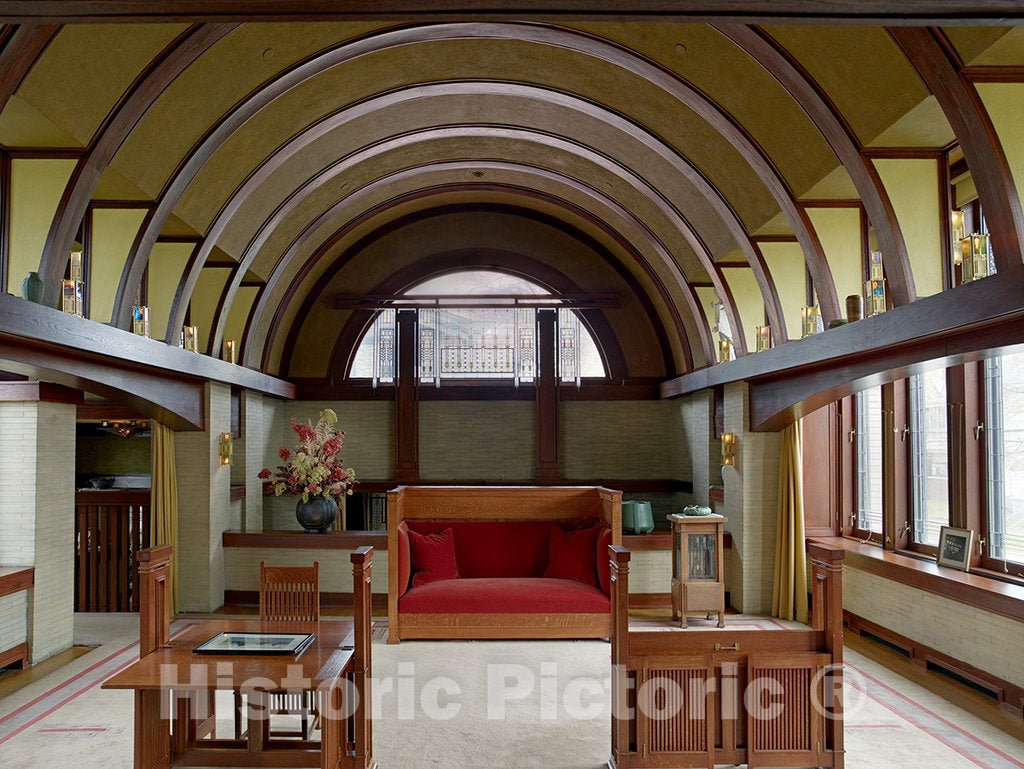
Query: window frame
x,y
855,529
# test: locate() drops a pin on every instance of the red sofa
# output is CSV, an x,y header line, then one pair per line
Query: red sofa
x,y
502,546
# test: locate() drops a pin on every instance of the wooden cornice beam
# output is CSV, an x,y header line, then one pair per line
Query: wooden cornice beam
x,y
859,12
154,378
174,59
969,322
939,67
831,124
22,45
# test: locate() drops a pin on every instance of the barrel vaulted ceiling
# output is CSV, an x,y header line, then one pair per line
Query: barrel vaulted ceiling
x,y
645,158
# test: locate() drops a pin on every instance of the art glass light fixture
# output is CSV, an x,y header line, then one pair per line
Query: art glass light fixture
x,y
810,320
729,448
229,351
225,448
190,338
976,254
763,338
724,350
140,320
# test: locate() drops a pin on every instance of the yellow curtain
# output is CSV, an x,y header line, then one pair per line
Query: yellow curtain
x,y
789,590
164,516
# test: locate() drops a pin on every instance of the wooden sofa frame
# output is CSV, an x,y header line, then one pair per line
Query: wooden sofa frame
x,y
803,665
563,504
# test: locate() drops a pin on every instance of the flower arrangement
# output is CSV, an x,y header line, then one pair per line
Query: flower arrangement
x,y
314,468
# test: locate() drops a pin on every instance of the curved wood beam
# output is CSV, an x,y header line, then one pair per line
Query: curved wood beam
x,y
418,93
826,117
413,174
445,262
941,70
311,296
367,155
22,46
573,40
140,96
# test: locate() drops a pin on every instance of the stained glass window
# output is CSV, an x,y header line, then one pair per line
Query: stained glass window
x,y
459,342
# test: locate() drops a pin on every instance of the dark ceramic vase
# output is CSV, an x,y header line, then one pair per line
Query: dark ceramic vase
x,y
317,515
32,287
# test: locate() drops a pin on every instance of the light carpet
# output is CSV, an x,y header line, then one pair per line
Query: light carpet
x,y
66,719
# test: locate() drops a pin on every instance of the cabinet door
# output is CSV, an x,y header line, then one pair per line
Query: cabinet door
x,y
785,717
676,713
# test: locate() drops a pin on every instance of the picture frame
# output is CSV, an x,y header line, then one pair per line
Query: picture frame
x,y
955,548
255,643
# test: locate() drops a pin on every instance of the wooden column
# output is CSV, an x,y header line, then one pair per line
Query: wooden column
x,y
827,615
548,467
362,672
407,406
895,465
965,440
619,561
152,729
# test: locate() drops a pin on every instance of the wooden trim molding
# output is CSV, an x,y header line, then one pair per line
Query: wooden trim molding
x,y
22,47
299,540
940,68
329,600
1010,697
840,136
40,392
16,655
980,592
237,492
15,579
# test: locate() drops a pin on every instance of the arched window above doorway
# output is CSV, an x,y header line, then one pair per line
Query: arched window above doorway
x,y
473,325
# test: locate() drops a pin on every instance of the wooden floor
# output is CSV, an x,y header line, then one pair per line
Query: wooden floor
x,y
959,694
12,680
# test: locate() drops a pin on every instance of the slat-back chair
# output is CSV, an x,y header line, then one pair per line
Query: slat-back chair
x,y
288,594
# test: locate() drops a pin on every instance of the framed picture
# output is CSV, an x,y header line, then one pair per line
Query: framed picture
x,y
955,547
255,643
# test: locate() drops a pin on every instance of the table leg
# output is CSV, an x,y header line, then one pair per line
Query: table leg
x,y
152,732
332,729
258,722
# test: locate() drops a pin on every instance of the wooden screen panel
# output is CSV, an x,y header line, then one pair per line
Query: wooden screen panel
x,y
790,690
290,593
107,537
675,714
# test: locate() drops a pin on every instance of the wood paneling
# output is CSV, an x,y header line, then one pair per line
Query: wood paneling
x,y
547,411
110,528
407,410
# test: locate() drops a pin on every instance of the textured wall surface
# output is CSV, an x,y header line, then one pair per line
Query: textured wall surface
x,y
37,502
13,620
242,567
988,641
477,440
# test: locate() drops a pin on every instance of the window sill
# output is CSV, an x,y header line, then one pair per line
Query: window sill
x,y
968,588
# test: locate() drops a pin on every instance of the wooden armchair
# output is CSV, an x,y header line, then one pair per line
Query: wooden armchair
x,y
288,594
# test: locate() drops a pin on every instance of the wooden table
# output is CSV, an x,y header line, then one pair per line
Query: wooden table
x,y
174,687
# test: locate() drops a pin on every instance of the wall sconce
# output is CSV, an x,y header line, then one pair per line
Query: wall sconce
x,y
225,448
728,448
810,320
763,338
975,251
957,230
229,351
724,350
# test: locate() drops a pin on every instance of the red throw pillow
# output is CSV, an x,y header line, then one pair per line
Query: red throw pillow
x,y
604,569
433,556
571,555
404,560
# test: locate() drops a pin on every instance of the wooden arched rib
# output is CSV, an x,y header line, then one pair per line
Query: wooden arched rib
x,y
414,174
22,46
825,116
147,88
393,225
940,68
418,93
572,40
297,199
459,260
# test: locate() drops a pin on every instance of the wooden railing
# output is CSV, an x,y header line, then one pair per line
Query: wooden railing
x,y
110,528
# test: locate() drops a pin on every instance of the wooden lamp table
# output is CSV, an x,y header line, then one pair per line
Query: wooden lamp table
x,y
698,578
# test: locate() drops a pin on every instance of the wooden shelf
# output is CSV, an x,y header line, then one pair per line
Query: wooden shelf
x,y
14,579
972,589
300,540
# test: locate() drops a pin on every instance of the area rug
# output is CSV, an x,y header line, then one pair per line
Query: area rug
x,y
548,707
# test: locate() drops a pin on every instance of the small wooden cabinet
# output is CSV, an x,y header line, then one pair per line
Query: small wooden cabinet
x,y
698,579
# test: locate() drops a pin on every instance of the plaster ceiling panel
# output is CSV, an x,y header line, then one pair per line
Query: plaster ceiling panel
x,y
462,147
22,125
496,109
87,67
836,185
924,125
739,85
113,186
860,68
987,45
206,90
477,59
446,198
468,231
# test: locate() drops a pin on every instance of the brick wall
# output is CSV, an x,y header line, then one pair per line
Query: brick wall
x,y
204,506
751,496
988,641
13,620
37,445
471,440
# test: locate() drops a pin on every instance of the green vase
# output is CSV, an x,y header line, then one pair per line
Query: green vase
x,y
628,516
32,287
644,523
